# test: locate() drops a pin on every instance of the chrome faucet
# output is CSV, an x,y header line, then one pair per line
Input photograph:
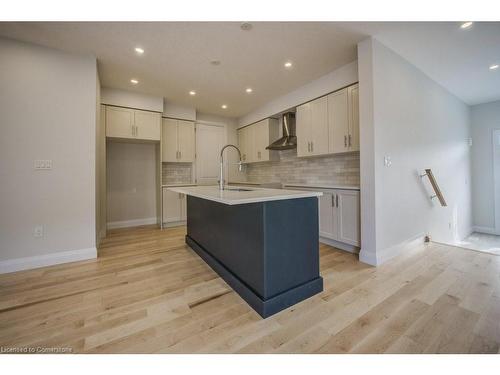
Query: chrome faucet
x,y
221,176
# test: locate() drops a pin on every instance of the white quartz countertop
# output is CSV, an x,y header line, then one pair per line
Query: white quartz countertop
x,y
232,197
322,186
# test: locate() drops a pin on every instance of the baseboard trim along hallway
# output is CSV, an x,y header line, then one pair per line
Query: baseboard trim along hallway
x,y
28,263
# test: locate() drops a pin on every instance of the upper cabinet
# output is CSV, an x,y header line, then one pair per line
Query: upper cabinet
x,y
329,124
132,124
254,139
178,141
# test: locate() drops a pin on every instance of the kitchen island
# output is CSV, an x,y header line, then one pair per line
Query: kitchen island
x,y
262,242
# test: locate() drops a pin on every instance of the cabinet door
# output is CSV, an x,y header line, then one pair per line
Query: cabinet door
x,y
242,144
261,136
319,126
349,217
303,129
186,141
326,207
147,125
250,144
338,121
169,140
172,207
119,122
353,118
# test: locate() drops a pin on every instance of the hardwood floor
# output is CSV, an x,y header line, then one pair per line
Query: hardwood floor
x,y
148,293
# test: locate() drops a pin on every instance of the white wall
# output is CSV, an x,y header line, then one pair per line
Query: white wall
x,y
339,78
47,111
130,99
418,124
131,184
178,111
484,119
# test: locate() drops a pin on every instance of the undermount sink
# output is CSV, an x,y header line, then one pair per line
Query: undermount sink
x,y
238,189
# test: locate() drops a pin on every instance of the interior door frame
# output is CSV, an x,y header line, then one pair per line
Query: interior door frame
x,y
496,177
207,123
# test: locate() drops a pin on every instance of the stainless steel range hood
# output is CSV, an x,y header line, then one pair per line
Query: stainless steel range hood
x,y
289,139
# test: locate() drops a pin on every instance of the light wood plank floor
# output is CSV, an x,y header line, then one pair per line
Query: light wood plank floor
x,y
148,292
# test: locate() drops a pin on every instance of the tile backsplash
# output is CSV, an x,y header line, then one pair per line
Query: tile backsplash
x,y
176,173
340,169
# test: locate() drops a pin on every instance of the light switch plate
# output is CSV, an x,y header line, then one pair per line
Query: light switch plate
x,y
387,161
38,231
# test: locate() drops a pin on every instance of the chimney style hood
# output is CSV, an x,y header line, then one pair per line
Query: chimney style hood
x,y
289,139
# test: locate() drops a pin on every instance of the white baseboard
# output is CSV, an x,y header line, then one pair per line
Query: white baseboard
x,y
132,223
172,224
339,245
486,230
376,259
19,264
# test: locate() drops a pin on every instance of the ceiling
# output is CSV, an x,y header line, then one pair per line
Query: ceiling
x,y
178,54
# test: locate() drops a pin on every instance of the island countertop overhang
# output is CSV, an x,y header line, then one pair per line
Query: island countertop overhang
x,y
233,197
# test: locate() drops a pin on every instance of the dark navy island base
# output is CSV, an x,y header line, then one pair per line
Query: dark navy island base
x,y
266,251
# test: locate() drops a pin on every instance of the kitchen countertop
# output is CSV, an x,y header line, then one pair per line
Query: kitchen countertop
x,y
232,197
176,185
323,186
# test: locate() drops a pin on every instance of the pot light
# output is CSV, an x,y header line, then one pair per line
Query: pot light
x,y
246,26
134,81
192,93
288,64
249,90
223,106
466,25
139,50
494,67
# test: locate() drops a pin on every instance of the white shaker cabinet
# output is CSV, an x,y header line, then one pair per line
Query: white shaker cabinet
x,y
312,128
253,140
174,207
178,140
130,123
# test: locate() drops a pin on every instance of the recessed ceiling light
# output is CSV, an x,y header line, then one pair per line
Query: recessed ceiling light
x,y
494,67
223,106
192,93
249,90
466,25
139,50
215,62
134,81
288,64
246,26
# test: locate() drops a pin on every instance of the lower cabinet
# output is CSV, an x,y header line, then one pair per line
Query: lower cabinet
x,y
339,216
174,207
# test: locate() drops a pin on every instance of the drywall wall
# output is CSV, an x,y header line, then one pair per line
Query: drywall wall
x,y
415,122
339,78
485,118
131,184
131,99
178,111
48,112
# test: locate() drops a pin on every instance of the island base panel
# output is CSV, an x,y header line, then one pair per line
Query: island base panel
x,y
264,308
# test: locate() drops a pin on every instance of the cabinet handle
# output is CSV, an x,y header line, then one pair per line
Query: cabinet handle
x,y
312,146
333,201
136,131
180,155
337,200
345,140
350,141
258,154
308,146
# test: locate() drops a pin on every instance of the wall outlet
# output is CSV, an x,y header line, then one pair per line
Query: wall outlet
x,y
387,161
43,164
38,232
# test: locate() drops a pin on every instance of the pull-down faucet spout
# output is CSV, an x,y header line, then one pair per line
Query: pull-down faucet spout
x,y
221,175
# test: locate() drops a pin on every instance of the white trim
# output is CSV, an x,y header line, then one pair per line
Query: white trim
x,y
339,245
172,224
132,223
486,230
382,256
27,263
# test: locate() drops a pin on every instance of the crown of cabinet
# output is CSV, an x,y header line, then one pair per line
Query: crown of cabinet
x,y
253,140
